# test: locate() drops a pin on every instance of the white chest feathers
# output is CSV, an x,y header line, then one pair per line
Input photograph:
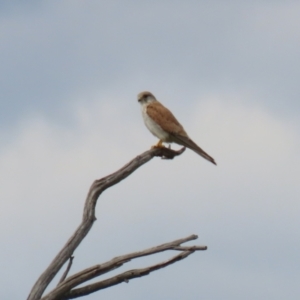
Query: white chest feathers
x,y
154,128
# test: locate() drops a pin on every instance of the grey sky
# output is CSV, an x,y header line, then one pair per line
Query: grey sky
x,y
229,70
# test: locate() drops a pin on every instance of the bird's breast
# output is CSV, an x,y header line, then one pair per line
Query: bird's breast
x,y
154,128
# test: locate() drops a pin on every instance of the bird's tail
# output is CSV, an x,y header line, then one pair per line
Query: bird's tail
x,y
187,142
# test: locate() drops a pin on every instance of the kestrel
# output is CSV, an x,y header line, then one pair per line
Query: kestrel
x,y
162,124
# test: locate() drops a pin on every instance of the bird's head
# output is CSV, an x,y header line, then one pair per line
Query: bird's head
x,y
146,97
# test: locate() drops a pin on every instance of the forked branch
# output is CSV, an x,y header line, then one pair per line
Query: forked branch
x,y
123,277
66,290
89,215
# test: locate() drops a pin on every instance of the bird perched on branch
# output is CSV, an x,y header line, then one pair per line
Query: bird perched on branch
x,y
162,124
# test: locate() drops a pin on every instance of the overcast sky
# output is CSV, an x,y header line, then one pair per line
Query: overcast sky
x,y
70,72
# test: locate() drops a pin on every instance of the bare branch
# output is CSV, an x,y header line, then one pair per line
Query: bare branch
x,y
115,263
63,277
190,248
123,277
89,215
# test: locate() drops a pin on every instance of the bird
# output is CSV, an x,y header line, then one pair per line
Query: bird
x,y
162,123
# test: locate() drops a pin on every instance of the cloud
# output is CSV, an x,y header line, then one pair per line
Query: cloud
x,y
68,115
52,51
248,200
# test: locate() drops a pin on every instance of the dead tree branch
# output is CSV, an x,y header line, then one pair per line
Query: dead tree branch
x,y
89,215
65,288
123,277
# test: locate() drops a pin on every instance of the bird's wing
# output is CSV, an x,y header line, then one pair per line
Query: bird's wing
x,y
187,142
164,118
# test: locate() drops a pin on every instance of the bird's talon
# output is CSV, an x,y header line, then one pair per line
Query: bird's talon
x,y
157,146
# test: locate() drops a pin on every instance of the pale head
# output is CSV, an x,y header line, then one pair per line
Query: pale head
x,y
146,97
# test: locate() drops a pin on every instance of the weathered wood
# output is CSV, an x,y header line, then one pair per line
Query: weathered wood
x,y
124,277
89,215
65,288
